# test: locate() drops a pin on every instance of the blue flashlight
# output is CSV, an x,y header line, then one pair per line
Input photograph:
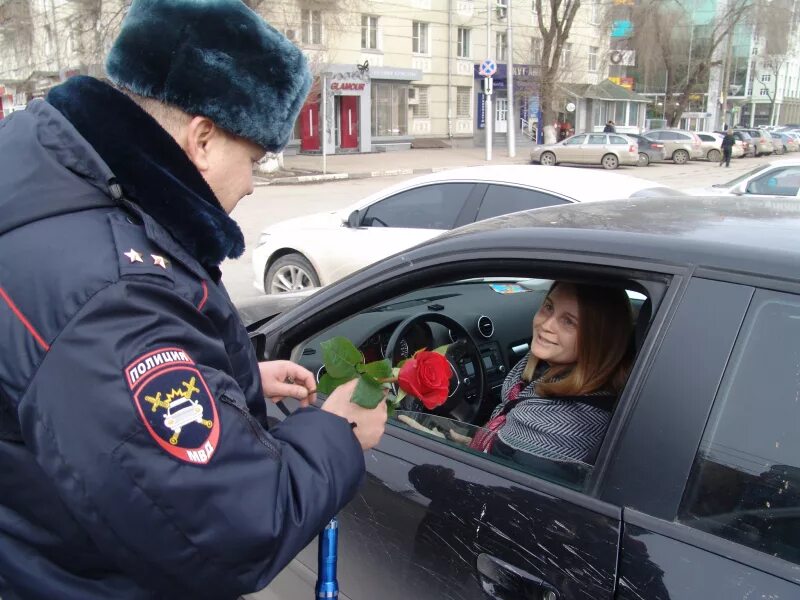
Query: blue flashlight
x,y
327,586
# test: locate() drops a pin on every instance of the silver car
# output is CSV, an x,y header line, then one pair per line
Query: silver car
x,y
679,145
607,149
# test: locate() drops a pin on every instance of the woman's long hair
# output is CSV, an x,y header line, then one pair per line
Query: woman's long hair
x,y
605,328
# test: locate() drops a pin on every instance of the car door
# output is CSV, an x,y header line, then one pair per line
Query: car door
x,y
722,516
434,520
596,147
570,150
504,199
395,223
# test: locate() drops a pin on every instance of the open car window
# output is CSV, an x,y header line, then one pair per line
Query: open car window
x,y
484,326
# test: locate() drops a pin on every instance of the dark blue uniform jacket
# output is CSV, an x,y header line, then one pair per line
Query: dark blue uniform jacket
x,y
135,461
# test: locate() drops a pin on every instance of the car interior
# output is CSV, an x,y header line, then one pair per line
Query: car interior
x,y
486,324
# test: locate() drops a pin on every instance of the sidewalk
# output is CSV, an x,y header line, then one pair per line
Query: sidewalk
x,y
304,168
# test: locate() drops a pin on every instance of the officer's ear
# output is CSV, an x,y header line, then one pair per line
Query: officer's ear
x,y
201,138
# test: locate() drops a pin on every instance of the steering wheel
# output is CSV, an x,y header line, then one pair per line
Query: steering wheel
x,y
466,393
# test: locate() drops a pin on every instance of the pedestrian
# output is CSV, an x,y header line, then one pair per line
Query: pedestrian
x,y
610,128
728,142
135,452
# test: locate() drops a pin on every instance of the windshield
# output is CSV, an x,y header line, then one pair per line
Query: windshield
x,y
741,178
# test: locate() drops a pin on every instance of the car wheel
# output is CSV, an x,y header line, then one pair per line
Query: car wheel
x,y
610,162
644,160
714,155
548,159
290,273
680,157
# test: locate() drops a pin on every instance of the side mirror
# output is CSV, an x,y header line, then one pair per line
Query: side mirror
x,y
354,220
739,189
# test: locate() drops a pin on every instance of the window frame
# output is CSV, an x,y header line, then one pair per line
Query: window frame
x,y
370,28
311,21
463,90
420,32
464,43
594,52
501,46
562,200
422,109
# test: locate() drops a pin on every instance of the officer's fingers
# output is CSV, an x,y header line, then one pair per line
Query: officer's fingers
x,y
279,391
302,376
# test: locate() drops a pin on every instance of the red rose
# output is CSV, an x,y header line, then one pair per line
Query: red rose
x,y
427,377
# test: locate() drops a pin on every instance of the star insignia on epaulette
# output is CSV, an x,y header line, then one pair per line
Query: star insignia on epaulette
x,y
134,256
159,261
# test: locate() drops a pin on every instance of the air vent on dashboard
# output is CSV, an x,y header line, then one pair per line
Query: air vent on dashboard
x,y
485,326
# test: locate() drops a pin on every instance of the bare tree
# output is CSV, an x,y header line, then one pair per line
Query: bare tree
x,y
555,19
666,35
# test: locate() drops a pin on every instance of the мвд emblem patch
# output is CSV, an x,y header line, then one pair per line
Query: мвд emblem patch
x,y
175,404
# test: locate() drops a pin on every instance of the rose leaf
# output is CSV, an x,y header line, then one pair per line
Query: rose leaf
x,y
368,394
340,357
327,383
442,349
380,369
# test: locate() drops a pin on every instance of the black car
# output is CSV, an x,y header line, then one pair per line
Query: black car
x,y
649,150
695,491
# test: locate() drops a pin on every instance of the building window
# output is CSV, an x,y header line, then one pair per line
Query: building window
x,y
633,116
463,95
420,108
536,51
764,92
389,108
593,50
369,32
595,17
312,27
464,50
566,54
419,37
766,78
501,45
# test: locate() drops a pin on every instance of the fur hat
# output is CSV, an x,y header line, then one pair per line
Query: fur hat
x,y
215,58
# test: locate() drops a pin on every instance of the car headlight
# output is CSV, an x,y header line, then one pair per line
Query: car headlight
x,y
262,239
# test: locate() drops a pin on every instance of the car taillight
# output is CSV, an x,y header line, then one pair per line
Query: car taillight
x,y
656,146
633,148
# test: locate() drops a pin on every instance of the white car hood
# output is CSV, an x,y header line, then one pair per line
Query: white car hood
x,y
322,220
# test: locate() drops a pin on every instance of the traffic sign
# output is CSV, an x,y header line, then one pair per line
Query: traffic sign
x,y
488,68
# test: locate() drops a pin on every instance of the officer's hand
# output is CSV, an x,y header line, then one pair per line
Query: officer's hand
x,y
284,379
370,422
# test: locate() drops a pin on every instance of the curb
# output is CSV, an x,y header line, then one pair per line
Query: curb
x,y
301,179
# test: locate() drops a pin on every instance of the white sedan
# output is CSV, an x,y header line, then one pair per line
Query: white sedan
x,y
318,249
775,178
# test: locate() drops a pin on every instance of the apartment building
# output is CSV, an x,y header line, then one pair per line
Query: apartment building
x,y
389,72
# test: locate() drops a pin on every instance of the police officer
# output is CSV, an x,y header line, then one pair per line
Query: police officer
x,y
135,459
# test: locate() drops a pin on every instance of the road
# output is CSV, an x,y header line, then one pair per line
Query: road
x,y
275,203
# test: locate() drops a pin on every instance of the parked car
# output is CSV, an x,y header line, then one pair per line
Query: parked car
x,y
607,149
711,143
775,178
649,150
748,144
695,490
778,143
679,145
762,140
318,249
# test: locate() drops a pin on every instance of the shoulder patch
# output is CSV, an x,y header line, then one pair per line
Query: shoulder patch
x,y
175,404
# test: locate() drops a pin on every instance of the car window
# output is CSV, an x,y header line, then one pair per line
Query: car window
x,y
597,139
745,482
574,141
430,207
504,199
496,313
669,135
615,139
706,137
776,182
682,136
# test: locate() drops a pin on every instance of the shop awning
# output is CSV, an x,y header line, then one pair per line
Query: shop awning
x,y
605,90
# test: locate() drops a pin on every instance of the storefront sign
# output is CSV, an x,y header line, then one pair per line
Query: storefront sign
x,y
520,72
481,111
347,85
395,73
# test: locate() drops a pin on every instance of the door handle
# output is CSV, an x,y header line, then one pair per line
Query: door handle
x,y
504,581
